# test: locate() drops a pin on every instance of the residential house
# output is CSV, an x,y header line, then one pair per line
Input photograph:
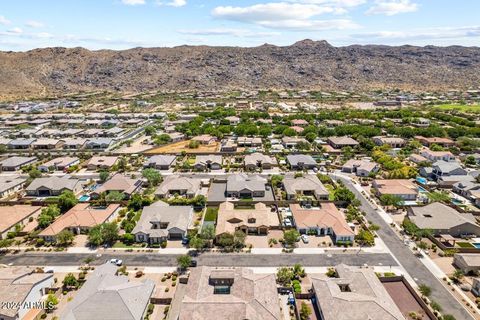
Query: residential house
x,y
443,168
79,220
21,144
255,220
99,143
23,288
341,142
361,168
160,162
233,120
53,186
442,219
74,144
394,142
249,142
230,293
257,160
301,161
465,187
309,185
179,185
416,158
206,162
176,136
101,162
16,163
323,220
292,142
205,139
300,122
9,185
433,156
228,145
108,295
402,188
10,216
160,222
467,262
243,186
443,142
60,164
47,144
356,293
119,183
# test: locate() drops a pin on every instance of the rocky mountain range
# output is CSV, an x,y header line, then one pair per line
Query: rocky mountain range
x,y
304,65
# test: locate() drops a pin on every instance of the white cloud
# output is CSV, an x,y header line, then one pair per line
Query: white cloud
x,y
393,7
228,32
133,2
15,30
286,15
34,24
173,3
421,34
4,20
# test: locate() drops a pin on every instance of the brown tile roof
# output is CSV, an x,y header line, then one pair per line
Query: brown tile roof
x,y
82,215
11,215
395,186
325,216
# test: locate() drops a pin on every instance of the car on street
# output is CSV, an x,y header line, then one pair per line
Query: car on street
x,y
117,262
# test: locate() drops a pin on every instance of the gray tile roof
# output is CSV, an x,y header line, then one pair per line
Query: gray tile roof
x,y
241,181
305,159
17,161
161,160
107,296
53,183
439,216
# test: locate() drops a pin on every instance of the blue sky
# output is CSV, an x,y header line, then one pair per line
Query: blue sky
x,y
122,24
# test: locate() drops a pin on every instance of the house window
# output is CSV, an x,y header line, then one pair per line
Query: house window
x,y
221,290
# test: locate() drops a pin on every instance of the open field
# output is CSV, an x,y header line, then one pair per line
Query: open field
x,y
178,147
459,107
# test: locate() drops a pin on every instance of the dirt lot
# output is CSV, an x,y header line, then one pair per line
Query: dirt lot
x,y
178,147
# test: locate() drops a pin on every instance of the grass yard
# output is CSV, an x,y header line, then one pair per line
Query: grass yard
x,y
331,190
211,214
460,107
465,245
178,147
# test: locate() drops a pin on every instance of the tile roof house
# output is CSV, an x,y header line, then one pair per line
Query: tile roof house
x,y
23,288
178,185
309,185
356,293
257,160
467,262
403,188
444,142
61,163
161,221
433,156
21,143
205,139
242,185
394,142
74,144
160,162
341,142
442,219
106,295
205,162
230,293
292,142
11,184
249,142
53,186
79,219
101,162
10,216
256,220
444,168
99,143
323,220
119,183
301,161
47,144
16,163
361,168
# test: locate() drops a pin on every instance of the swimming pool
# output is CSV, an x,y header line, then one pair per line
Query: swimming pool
x,y
422,190
421,180
84,198
457,202
476,245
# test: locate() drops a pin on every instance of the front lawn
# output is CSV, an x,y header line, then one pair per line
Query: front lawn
x,y
211,214
331,191
465,245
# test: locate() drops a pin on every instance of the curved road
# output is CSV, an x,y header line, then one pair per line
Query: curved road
x,y
410,263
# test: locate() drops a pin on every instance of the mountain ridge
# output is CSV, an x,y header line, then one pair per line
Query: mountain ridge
x,y
306,64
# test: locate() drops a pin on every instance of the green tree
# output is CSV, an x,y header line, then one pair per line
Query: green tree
x,y
390,200
343,194
305,311
457,276
439,196
150,130
153,176
290,237
34,173
365,237
115,196
425,290
197,243
95,236
128,238
51,302
137,202
225,240
239,239
284,276
67,200
64,237
47,215
70,281
103,233
103,175
184,261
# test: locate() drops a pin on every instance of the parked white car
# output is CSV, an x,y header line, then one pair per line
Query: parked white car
x,y
304,238
117,262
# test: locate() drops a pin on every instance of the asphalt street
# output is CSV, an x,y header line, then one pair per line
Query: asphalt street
x,y
204,259
414,267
